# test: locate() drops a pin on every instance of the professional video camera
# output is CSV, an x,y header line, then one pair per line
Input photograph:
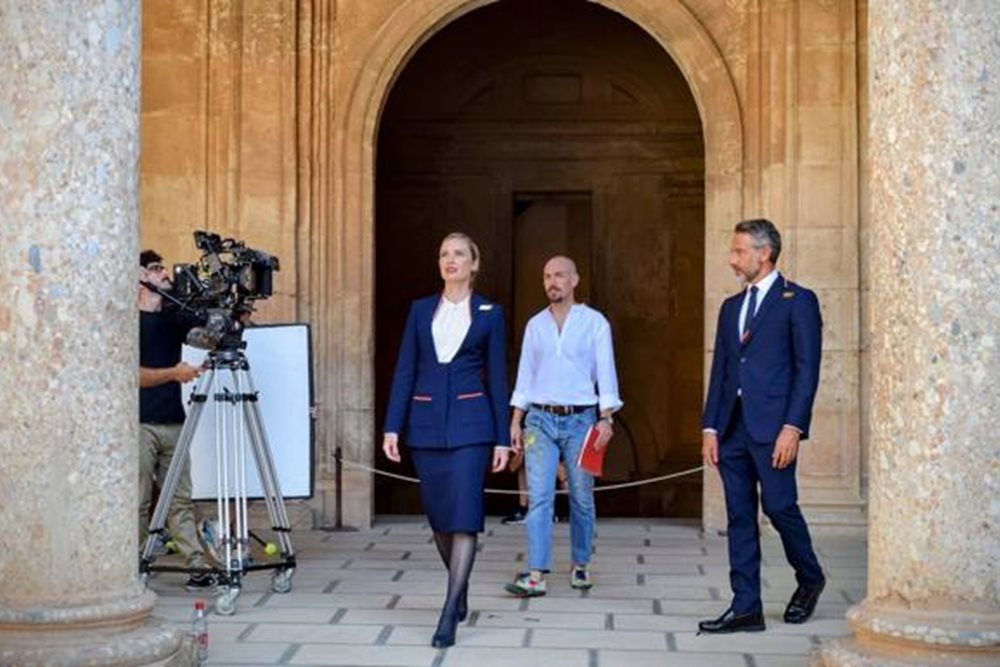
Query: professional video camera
x,y
221,288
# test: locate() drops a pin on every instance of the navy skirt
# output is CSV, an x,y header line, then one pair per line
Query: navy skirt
x,y
451,486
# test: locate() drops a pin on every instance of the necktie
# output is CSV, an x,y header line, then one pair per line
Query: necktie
x,y
751,309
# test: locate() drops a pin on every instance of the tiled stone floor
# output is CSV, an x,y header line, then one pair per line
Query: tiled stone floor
x,y
372,597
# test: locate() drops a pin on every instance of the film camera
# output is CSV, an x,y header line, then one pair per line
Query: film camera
x,y
221,288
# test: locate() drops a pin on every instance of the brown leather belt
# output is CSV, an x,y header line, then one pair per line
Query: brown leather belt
x,y
561,410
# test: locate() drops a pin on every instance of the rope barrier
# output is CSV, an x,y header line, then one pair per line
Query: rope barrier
x,y
603,487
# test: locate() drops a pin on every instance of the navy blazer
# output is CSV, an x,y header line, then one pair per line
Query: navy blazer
x,y
463,402
776,365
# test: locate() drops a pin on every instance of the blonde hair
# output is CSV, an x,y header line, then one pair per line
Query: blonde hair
x,y
473,248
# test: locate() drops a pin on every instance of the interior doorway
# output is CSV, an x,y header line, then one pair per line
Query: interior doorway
x,y
547,224
585,125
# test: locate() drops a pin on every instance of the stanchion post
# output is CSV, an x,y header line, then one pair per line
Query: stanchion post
x,y
338,478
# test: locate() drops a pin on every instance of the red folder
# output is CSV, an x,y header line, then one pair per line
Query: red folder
x,y
591,459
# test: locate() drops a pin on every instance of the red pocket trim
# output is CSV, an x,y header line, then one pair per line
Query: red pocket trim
x,y
476,394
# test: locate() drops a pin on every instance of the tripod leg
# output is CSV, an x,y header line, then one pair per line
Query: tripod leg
x,y
176,467
227,425
240,468
229,433
269,478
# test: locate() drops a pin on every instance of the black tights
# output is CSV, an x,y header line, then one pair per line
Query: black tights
x,y
458,552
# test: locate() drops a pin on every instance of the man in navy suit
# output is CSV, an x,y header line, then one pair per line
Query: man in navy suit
x,y
765,371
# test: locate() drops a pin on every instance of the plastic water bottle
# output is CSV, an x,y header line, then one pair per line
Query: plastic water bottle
x,y
199,631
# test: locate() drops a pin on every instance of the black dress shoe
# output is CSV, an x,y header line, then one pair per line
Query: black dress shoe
x,y
803,603
730,621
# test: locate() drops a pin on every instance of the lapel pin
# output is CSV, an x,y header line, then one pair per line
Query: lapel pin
x,y
787,294
486,306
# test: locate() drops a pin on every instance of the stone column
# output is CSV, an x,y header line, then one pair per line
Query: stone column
x,y
69,98
934,531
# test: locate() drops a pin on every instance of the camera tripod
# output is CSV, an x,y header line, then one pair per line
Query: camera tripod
x,y
237,421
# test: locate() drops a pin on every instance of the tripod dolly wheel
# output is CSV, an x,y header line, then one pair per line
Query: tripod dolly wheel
x,y
225,601
281,581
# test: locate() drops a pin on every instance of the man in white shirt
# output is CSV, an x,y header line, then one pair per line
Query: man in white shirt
x,y
566,382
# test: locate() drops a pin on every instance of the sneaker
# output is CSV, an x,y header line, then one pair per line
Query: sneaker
x,y
515,518
524,586
579,578
200,581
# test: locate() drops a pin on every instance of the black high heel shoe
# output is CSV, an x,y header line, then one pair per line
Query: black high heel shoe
x,y
444,636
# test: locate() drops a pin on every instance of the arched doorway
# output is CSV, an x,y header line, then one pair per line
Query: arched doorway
x,y
345,256
580,136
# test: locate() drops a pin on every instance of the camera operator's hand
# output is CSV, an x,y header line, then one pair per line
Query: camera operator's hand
x,y
186,372
390,445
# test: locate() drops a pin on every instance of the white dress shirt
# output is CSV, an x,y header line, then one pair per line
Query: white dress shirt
x,y
450,325
573,367
763,285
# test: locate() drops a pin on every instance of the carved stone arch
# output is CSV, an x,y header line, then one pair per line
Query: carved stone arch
x,y
347,292
451,96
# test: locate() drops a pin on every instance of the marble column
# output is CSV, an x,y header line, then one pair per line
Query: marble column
x,y
934,526
69,98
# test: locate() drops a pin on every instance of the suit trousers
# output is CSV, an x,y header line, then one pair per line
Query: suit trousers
x,y
745,465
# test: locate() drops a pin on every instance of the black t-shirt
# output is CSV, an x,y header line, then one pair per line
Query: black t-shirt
x,y
161,335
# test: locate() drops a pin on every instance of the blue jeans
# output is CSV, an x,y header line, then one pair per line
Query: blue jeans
x,y
546,437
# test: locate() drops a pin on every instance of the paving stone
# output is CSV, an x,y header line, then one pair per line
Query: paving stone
x,y
333,600
516,657
476,602
647,591
394,587
327,654
743,642
356,574
467,636
599,639
534,619
391,617
663,659
248,615
654,622
243,653
314,634
478,575
582,605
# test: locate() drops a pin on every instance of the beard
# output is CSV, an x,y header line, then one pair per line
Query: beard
x,y
555,296
749,275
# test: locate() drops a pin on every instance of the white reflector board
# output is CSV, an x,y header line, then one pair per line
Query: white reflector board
x,y
281,368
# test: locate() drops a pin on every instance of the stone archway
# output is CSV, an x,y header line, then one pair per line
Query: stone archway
x,y
347,293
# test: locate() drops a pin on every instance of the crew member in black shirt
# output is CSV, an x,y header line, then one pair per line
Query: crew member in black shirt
x,y
161,414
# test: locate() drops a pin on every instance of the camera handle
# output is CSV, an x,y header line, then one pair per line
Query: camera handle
x,y
184,305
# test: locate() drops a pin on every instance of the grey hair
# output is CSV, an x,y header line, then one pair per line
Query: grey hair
x,y
764,233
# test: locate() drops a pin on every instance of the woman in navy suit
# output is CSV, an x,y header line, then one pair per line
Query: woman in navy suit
x,y
448,403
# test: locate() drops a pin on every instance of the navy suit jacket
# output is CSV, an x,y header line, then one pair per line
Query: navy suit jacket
x,y
463,402
776,365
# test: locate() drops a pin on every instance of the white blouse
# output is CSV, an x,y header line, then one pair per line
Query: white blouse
x,y
450,325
